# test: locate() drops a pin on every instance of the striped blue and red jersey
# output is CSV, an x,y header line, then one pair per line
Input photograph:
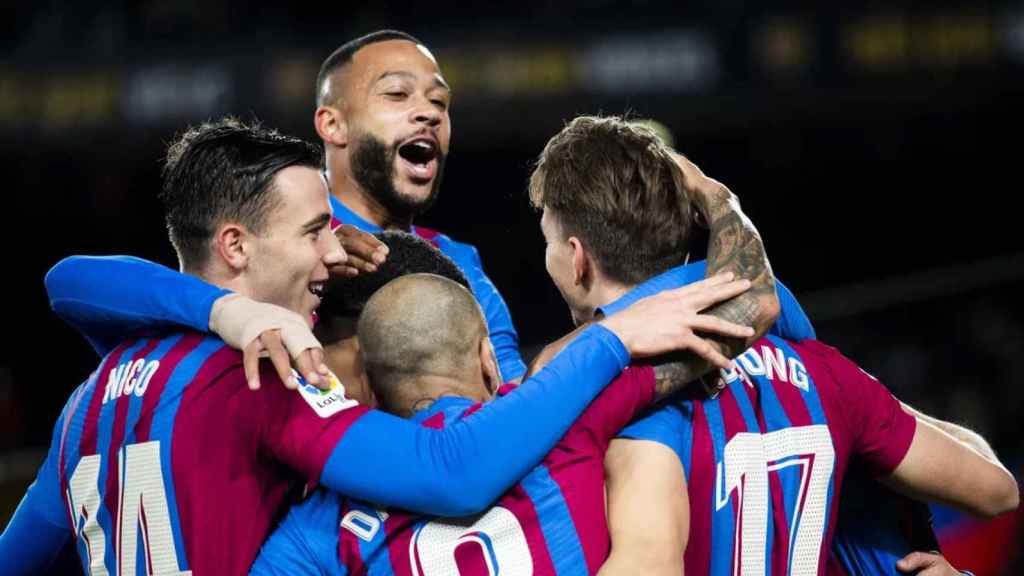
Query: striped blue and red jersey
x,y
552,522
765,457
499,320
168,463
164,458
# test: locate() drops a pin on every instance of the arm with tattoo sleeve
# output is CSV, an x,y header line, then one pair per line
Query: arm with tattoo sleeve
x,y
734,246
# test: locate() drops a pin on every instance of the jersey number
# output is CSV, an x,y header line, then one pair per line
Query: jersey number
x,y
747,462
494,544
142,512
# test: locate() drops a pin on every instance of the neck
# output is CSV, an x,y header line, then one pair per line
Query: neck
x,y
430,388
605,292
343,358
344,187
222,277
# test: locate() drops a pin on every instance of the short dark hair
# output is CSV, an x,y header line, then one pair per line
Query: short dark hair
x,y
345,298
223,171
344,53
616,187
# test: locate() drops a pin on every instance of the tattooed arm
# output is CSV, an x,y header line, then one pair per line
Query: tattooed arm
x,y
733,246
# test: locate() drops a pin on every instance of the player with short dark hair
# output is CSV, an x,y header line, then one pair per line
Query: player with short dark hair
x,y
345,298
383,117
428,357
163,461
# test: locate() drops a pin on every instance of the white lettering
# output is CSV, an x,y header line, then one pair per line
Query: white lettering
x,y
145,377
774,363
752,363
128,378
798,374
364,526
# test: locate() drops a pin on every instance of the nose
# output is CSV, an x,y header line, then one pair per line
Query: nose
x,y
427,113
333,253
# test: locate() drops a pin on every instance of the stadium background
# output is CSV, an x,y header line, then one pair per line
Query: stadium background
x,y
875,145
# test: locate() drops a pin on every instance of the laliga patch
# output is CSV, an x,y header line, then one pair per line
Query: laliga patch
x,y
325,402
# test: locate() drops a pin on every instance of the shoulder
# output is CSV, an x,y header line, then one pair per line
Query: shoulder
x,y
453,248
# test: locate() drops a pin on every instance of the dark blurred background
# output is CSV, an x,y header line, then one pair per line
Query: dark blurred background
x,y
875,145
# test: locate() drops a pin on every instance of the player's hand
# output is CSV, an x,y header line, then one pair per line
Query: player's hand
x,y
701,189
669,321
265,330
926,564
365,251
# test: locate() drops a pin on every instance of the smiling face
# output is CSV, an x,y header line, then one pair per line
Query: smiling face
x,y
396,109
288,261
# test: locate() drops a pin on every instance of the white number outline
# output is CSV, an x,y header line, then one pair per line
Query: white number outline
x,y
433,545
142,502
746,467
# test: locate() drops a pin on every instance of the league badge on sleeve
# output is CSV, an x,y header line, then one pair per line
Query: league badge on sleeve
x,y
328,402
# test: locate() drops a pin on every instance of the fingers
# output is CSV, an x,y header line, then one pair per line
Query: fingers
x,y
716,280
365,251
707,351
915,561
251,362
318,361
306,366
715,325
344,270
717,293
354,265
279,357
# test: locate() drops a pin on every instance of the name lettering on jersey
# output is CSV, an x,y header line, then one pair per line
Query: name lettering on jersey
x,y
129,378
328,402
769,362
362,524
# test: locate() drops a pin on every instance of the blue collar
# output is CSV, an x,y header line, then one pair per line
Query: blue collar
x,y
344,214
452,406
674,278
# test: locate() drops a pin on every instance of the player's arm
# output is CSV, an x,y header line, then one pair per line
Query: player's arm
x,y
499,320
648,509
940,468
912,456
460,469
968,437
735,246
39,529
675,371
111,298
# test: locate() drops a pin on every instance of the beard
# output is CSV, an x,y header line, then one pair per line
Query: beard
x,y
373,167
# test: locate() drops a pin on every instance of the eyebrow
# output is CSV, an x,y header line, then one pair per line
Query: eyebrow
x,y
319,221
438,81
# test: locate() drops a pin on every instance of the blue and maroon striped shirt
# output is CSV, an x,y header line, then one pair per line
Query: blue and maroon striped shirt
x,y
765,457
552,522
168,463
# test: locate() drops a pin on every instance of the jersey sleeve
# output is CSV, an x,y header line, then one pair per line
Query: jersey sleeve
x,y
145,297
300,428
669,424
499,319
462,468
629,394
792,323
305,543
880,431
39,528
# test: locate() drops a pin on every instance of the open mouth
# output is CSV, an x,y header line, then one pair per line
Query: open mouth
x,y
420,154
317,289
